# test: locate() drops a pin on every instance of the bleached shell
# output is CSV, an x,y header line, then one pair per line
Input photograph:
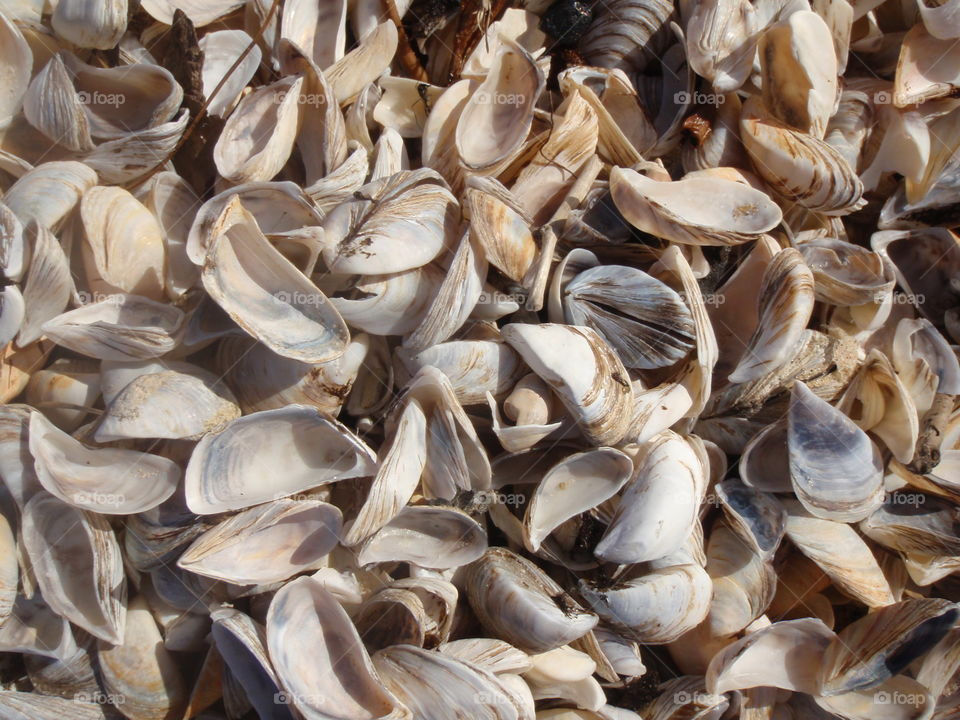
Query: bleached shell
x,y
799,74
438,144
757,517
456,297
91,24
474,367
684,696
221,49
267,543
655,608
9,570
321,31
239,467
140,672
330,191
881,645
12,310
695,211
34,628
515,601
173,203
431,441
550,174
416,676
623,128
431,537
643,319
846,274
122,101
869,704
744,581
79,475
48,192
516,24
266,294
495,655
498,116
402,108
322,136
574,485
47,284
259,134
17,705
14,251
278,207
77,563
624,34
784,307
124,248
565,674
128,157
306,620
877,401
119,327
53,107
915,522
786,654
16,463
721,42
168,405
658,508
116,375
835,468
937,668
583,370
942,20
799,167
262,380
364,64
502,232
17,59
392,304
841,553
391,225
64,383
242,641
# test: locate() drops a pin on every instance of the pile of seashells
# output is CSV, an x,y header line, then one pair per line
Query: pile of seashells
x,y
488,360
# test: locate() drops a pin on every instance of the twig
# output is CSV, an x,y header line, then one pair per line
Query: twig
x,y
469,31
408,58
927,454
258,35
